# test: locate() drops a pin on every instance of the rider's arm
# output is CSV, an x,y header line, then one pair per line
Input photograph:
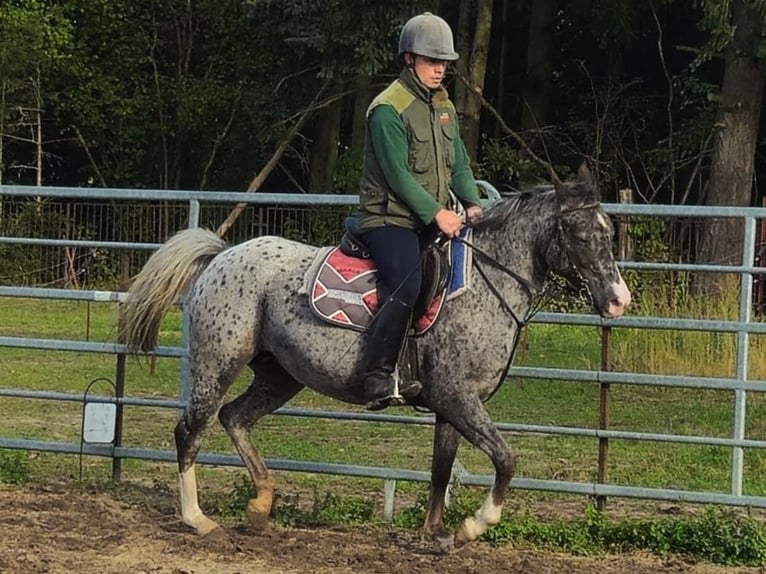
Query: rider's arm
x,y
463,183
389,140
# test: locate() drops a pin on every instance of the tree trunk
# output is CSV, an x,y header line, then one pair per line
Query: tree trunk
x,y
362,100
539,64
462,47
324,150
732,161
477,69
501,65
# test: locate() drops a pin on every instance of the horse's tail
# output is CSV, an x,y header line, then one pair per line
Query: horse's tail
x,y
167,274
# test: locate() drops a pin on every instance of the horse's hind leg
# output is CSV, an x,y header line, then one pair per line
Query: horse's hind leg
x,y
271,388
446,440
206,396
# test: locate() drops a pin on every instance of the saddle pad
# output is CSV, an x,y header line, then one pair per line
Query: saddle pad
x,y
342,289
460,264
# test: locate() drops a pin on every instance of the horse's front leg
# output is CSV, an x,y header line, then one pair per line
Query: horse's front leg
x,y
466,413
446,440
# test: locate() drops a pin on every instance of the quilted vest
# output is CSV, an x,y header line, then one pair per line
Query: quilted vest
x,y
430,123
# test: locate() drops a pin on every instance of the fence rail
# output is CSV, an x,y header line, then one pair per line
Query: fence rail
x,y
739,384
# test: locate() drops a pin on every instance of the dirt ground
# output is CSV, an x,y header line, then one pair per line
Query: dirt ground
x,y
67,529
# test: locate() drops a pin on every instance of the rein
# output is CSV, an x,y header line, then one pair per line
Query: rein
x,y
531,290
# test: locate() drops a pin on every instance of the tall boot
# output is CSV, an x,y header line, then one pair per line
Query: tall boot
x,y
384,344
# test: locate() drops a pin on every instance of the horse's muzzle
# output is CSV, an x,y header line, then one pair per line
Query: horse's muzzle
x,y
620,300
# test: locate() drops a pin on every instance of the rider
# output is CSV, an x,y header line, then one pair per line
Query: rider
x,y
413,158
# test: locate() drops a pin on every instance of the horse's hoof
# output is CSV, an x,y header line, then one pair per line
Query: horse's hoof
x,y
462,538
257,516
204,526
258,522
445,543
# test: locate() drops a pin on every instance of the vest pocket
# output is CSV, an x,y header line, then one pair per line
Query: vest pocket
x,y
421,148
449,134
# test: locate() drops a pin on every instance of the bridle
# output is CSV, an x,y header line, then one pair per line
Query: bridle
x,y
532,291
528,286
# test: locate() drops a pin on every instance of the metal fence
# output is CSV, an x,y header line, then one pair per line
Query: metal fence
x,y
163,212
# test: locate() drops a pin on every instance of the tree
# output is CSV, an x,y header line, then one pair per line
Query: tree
x,y
473,40
36,39
539,66
739,26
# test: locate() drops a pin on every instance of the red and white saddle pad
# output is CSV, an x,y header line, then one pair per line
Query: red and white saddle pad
x,y
342,291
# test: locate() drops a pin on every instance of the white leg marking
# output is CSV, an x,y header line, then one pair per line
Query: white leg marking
x,y
488,515
190,510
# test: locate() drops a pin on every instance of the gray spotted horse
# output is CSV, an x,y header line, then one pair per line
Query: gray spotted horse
x,y
247,306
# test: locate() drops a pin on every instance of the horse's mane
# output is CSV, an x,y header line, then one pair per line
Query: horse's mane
x,y
497,214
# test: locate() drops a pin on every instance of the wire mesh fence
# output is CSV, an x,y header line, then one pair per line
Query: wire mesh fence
x,y
126,222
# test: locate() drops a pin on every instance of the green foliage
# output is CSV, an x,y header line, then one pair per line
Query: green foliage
x,y
718,535
14,466
340,37
502,162
717,20
34,36
35,40
326,509
348,171
702,353
648,235
412,517
333,509
324,227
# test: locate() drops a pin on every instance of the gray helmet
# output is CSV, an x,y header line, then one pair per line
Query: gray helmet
x,y
427,35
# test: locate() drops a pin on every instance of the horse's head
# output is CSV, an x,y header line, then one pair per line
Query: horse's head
x,y
584,254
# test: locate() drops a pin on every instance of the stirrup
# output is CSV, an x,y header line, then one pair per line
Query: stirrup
x,y
403,393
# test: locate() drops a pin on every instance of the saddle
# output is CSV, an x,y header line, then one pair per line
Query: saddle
x,y
344,288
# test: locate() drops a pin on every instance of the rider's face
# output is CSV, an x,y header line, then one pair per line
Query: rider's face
x,y
430,71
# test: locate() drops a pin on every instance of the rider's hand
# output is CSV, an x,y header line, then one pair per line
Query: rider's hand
x,y
473,214
448,222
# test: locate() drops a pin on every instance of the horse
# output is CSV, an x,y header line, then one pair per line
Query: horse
x,y
247,306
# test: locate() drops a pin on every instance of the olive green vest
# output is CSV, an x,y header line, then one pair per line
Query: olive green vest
x,y
431,129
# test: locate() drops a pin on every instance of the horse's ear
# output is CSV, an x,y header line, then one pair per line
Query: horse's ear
x,y
584,175
587,183
557,183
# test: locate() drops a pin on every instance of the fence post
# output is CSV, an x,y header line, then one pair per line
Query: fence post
x,y
603,417
119,377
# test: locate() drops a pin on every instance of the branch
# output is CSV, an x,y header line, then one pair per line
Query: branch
x,y
92,161
669,106
509,131
264,173
219,140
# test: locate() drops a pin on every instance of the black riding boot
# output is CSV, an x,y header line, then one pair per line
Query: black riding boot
x,y
381,354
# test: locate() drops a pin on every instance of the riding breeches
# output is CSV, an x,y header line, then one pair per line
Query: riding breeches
x,y
396,252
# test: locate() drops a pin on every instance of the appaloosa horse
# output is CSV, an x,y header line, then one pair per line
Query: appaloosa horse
x,y
247,307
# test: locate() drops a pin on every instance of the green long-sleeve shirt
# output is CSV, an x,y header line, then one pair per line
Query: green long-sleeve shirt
x,y
389,140
413,157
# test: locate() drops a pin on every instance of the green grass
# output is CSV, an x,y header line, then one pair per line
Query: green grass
x,y
530,401
521,401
